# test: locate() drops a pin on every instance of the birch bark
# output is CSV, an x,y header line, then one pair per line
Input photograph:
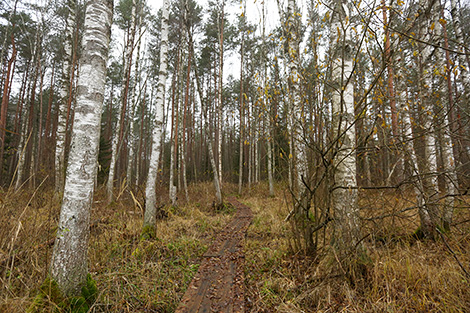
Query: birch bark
x,y
150,192
63,96
135,98
69,260
428,165
344,195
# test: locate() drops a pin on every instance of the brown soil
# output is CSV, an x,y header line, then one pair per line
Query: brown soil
x,y
219,284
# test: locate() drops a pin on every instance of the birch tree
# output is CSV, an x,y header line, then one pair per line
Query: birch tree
x,y
150,191
344,195
65,85
429,212
69,267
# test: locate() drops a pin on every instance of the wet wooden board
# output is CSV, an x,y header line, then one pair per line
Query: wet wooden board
x,y
218,286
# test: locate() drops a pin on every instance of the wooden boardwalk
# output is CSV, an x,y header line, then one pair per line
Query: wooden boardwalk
x,y
219,283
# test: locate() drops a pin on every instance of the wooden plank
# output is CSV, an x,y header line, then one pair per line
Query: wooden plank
x,y
218,286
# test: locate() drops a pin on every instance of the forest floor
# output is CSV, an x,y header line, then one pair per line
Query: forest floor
x,y
134,275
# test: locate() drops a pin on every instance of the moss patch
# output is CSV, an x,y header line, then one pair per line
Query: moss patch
x,y
49,295
148,232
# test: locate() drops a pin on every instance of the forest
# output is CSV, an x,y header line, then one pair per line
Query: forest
x,y
314,154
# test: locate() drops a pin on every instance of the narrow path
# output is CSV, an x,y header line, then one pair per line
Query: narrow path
x,y
219,283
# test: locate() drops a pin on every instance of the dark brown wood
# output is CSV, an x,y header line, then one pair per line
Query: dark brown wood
x,y
5,100
219,284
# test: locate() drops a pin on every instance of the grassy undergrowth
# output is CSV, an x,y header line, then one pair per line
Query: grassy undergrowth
x,y
135,275
406,275
132,275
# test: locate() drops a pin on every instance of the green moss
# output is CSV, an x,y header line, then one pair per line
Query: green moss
x,y
148,232
49,293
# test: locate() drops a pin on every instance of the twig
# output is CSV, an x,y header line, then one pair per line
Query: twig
x,y
453,253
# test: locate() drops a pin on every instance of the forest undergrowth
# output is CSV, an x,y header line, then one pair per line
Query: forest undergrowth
x,y
135,275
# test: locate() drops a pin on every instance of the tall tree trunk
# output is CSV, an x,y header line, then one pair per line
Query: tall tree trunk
x,y
391,95
242,106
64,97
5,100
445,124
267,103
141,138
135,98
220,89
464,67
18,124
208,135
47,156
430,214
174,132
118,138
344,195
183,141
69,267
150,215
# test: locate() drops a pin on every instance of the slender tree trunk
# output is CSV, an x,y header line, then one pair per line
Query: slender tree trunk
x,y
463,68
430,215
220,91
344,195
391,94
69,267
242,105
18,124
118,138
268,103
185,108
132,110
209,136
150,215
446,122
141,138
64,97
5,101
173,136
47,156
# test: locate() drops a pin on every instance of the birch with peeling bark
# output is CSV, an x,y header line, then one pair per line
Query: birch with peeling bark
x,y
69,267
150,215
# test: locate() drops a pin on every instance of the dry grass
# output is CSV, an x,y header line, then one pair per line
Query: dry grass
x,y
132,275
405,275
151,276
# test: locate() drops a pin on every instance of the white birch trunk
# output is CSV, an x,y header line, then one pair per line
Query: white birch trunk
x,y
150,215
449,166
21,151
132,131
63,95
344,196
69,259
298,144
429,162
